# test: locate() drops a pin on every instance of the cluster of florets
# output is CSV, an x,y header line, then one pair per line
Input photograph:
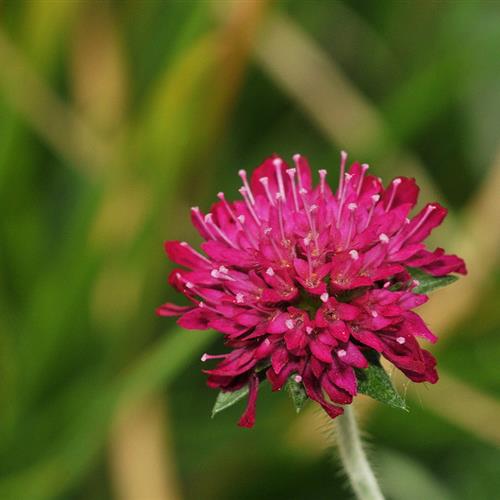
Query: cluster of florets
x,y
306,283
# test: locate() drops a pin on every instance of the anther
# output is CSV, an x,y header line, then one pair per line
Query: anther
x,y
374,314
270,271
383,238
240,298
401,340
324,297
297,379
354,255
341,353
289,324
309,330
352,207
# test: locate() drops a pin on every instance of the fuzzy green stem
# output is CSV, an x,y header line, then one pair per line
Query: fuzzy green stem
x,y
354,459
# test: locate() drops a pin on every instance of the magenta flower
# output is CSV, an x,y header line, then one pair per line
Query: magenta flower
x,y
307,283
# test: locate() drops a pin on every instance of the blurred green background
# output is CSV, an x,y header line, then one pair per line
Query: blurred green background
x,y
115,118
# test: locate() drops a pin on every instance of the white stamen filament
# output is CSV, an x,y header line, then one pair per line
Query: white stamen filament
x,y
220,232
265,183
375,200
291,174
395,184
428,211
297,159
343,159
194,252
278,163
243,175
364,168
197,213
322,177
244,192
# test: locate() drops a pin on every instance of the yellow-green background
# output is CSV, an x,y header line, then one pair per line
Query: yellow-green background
x,y
115,118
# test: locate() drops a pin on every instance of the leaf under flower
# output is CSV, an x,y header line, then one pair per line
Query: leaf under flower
x,y
376,383
297,393
427,282
227,399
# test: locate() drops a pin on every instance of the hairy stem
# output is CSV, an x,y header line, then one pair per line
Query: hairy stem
x,y
354,459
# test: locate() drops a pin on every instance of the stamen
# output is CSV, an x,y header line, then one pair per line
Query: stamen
x,y
428,211
324,297
297,379
197,213
347,178
220,232
202,305
207,356
374,314
244,192
240,298
375,200
291,174
194,252
310,220
278,163
395,183
280,216
352,208
364,168
297,158
265,182
243,175
270,271
322,176
341,353
354,255
401,340
343,159
218,274
289,324
383,238
309,330
229,210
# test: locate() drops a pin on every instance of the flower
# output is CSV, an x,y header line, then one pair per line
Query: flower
x,y
307,283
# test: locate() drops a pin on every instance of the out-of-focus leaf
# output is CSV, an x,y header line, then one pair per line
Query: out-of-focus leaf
x,y
297,393
427,282
376,383
227,399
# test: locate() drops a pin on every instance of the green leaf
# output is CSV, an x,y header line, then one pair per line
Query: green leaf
x,y
376,383
297,393
428,283
227,399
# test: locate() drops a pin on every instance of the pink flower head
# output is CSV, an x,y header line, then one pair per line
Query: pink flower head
x,y
300,280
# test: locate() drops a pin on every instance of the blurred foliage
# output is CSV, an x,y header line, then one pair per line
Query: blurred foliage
x,y
115,117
